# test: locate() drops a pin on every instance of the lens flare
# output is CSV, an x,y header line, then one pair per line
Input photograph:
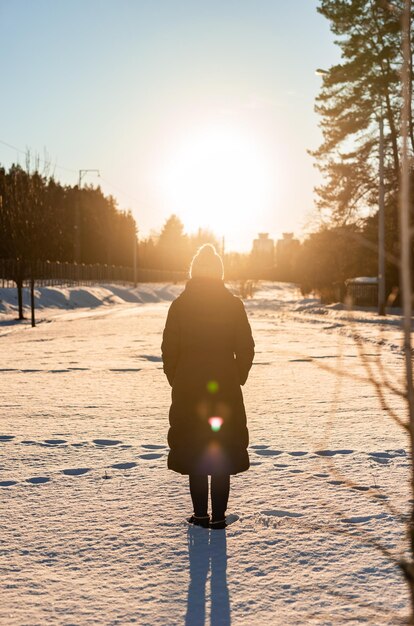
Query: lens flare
x,y
215,423
212,386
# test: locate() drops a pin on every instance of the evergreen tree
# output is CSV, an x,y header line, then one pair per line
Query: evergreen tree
x,y
355,93
37,222
173,249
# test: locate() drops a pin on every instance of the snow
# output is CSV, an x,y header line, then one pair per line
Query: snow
x,y
93,528
367,280
69,298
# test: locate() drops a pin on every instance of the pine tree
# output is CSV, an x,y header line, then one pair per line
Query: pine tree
x,y
355,93
172,245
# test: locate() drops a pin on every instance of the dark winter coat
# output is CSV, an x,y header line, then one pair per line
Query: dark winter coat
x,y
207,351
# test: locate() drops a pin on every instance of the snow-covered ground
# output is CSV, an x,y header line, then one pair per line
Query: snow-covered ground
x,y
92,522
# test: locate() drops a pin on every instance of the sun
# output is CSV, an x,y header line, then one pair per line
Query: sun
x,y
218,178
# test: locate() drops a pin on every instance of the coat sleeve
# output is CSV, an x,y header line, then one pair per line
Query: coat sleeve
x,y
170,346
244,345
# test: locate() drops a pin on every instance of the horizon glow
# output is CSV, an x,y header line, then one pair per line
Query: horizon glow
x,y
202,110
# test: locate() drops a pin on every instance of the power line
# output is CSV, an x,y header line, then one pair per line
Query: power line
x,y
73,171
26,152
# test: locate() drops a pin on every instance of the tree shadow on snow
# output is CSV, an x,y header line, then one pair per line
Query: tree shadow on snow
x,y
207,550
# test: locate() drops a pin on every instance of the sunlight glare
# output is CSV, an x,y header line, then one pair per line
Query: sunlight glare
x,y
217,179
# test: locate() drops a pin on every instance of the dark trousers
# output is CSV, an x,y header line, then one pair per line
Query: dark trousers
x,y
220,489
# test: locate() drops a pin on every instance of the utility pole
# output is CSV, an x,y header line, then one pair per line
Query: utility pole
x,y
77,242
135,259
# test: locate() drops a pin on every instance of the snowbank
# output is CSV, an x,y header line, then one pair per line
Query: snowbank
x,y
48,299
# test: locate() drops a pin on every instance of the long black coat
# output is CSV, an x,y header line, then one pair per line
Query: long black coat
x,y
207,351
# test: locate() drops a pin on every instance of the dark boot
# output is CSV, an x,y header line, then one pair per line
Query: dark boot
x,y
203,521
218,524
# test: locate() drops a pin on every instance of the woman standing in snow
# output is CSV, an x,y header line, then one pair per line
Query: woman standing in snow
x,y
207,352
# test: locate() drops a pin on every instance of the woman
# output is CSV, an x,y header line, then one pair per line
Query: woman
x,y
207,352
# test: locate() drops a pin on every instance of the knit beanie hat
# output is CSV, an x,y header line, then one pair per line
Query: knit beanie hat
x,y
207,263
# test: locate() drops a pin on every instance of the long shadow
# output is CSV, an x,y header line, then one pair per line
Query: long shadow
x,y
207,550
13,322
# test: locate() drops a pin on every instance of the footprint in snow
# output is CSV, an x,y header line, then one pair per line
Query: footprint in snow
x,y
384,458
268,452
281,465
8,483
363,519
259,447
106,442
297,453
150,357
124,466
78,471
153,446
399,452
382,461
6,437
335,482
380,455
38,480
332,452
54,442
150,456
281,513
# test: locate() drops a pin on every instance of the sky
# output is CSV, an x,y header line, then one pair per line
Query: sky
x,y
202,109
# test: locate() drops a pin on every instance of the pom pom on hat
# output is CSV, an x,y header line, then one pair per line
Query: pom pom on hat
x,y
207,263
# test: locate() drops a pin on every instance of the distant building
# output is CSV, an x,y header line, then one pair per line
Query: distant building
x,y
286,253
263,250
263,255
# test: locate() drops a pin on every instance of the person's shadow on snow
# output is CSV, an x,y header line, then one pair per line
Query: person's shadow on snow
x,y
207,549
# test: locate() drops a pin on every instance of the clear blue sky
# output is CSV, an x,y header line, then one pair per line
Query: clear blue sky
x,y
123,85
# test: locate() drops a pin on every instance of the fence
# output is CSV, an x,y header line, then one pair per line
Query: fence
x,y
48,273
362,292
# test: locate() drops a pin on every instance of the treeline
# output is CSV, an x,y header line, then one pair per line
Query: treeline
x,y
358,95
333,254
173,248
41,219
